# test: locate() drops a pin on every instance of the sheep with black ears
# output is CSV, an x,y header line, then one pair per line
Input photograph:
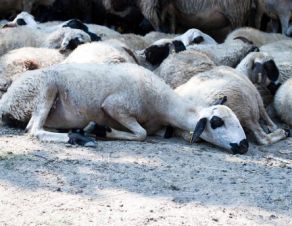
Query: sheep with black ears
x,y
281,51
161,49
129,99
64,38
205,83
242,97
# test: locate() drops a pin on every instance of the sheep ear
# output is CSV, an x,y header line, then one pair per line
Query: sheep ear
x,y
200,127
271,70
221,101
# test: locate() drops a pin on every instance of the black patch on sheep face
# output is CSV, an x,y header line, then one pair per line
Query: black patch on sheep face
x,y
74,43
78,24
198,40
273,87
168,132
178,46
9,120
271,70
156,54
21,22
216,122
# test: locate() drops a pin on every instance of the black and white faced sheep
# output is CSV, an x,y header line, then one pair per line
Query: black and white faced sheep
x,y
160,49
63,38
242,97
129,99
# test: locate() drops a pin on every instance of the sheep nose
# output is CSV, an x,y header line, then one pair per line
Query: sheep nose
x,y
240,148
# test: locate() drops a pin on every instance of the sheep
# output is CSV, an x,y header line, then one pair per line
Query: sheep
x,y
20,60
64,38
282,102
227,53
160,50
110,51
124,97
276,9
242,97
178,68
26,19
281,51
255,36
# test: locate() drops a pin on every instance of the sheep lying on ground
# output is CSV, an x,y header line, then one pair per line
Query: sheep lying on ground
x,y
64,38
20,60
110,51
160,50
283,102
242,97
281,51
178,68
256,37
129,99
227,53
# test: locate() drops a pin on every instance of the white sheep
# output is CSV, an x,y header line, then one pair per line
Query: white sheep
x,y
161,49
154,36
263,72
255,36
20,60
282,102
64,38
178,68
242,97
110,51
129,99
95,31
281,51
228,54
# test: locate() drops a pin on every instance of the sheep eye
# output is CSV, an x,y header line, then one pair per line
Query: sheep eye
x,y
216,122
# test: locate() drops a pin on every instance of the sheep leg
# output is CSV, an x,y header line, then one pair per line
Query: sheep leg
x,y
39,116
264,115
263,138
138,132
284,23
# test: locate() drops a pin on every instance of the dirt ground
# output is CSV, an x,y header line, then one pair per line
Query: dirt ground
x,y
157,182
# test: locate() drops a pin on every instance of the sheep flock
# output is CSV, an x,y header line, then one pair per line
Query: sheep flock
x,y
204,73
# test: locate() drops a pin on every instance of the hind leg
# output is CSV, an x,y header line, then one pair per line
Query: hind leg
x,y
264,138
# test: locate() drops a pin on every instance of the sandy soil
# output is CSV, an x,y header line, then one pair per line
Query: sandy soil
x,y
157,182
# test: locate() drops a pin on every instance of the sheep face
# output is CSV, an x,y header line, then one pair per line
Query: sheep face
x,y
74,38
160,50
265,72
22,19
220,126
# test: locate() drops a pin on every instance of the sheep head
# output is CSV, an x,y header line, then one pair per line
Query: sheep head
x,y
220,126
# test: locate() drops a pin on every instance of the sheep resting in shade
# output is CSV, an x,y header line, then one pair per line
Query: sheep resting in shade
x,y
129,99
